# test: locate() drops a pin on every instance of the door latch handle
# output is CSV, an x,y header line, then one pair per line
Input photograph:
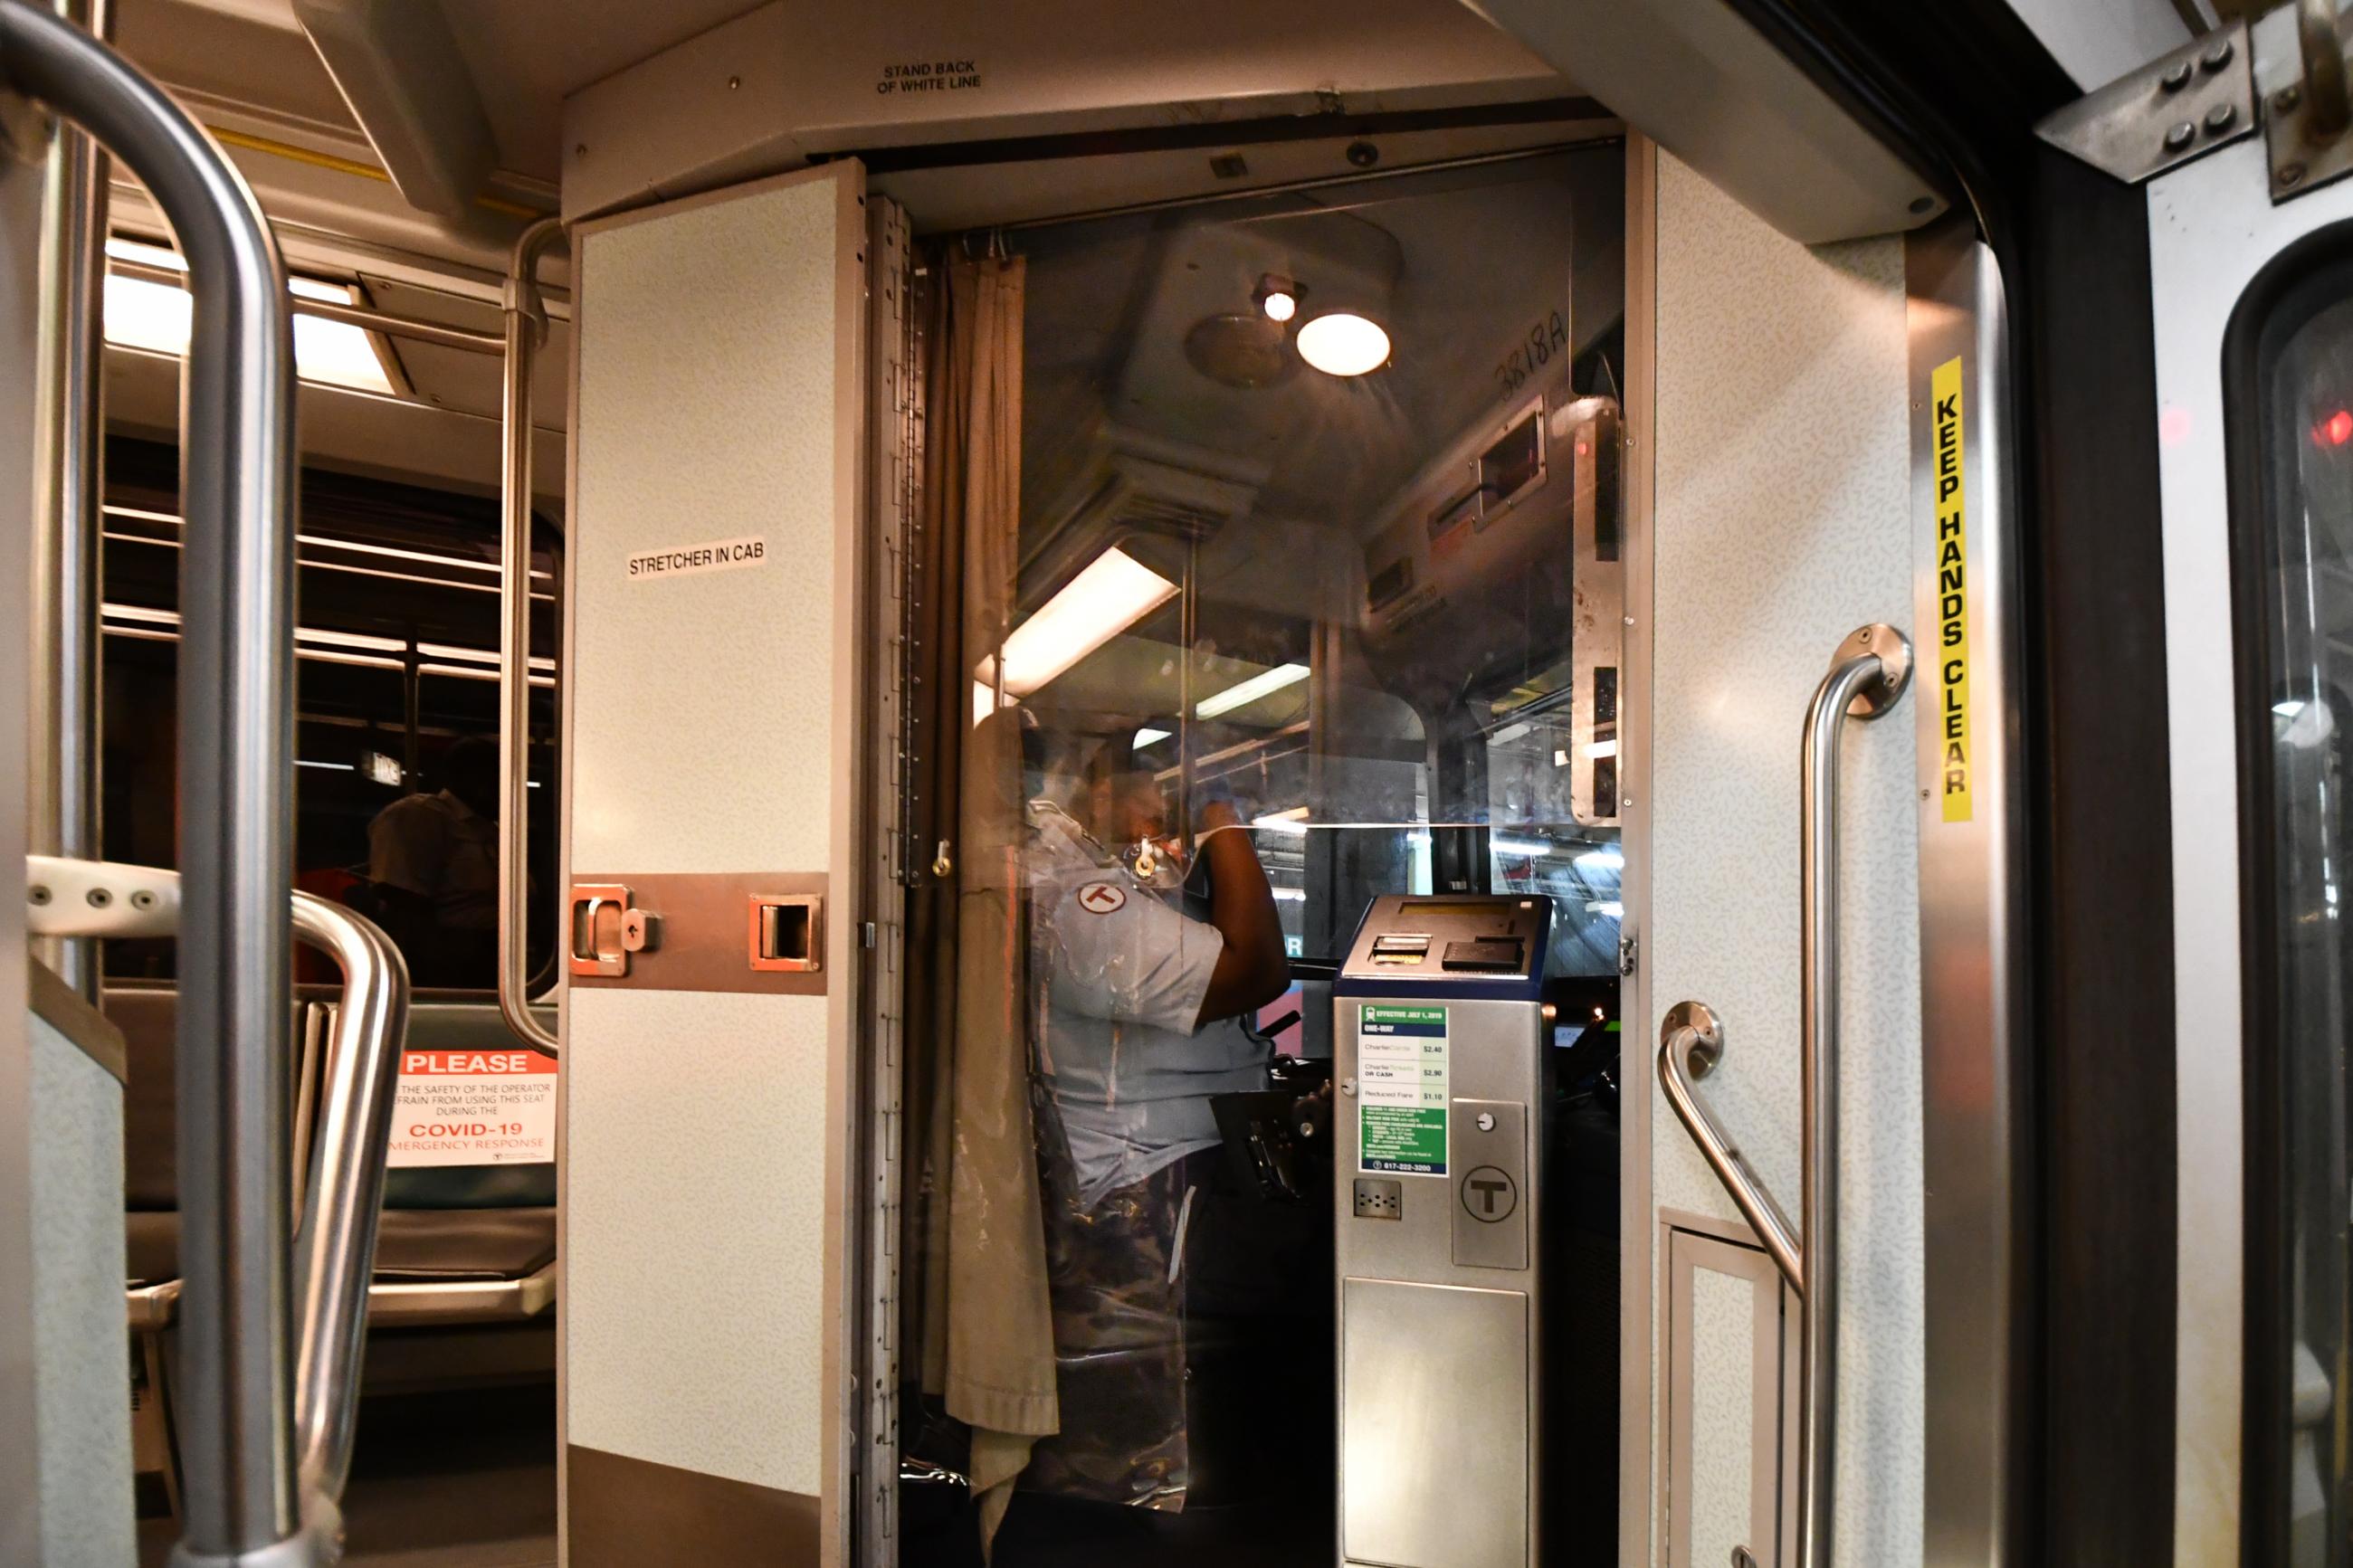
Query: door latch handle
x,y
605,926
786,933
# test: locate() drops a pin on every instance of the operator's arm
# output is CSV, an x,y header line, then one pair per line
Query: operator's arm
x,y
1251,969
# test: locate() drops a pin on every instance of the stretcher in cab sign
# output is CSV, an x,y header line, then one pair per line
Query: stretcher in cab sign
x,y
474,1108
686,559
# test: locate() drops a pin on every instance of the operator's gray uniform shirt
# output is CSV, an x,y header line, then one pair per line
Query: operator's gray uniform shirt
x,y
1116,976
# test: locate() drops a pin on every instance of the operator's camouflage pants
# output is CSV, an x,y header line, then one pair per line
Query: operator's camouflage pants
x,y
1119,1343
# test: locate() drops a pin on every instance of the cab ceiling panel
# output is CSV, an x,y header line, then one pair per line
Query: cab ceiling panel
x,y
800,79
944,196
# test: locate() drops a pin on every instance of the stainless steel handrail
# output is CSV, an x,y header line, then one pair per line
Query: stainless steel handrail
x,y
439,333
237,682
1868,675
61,817
1691,1043
526,329
336,1246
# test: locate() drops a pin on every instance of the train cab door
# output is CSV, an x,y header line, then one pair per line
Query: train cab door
x,y
2214,173
713,939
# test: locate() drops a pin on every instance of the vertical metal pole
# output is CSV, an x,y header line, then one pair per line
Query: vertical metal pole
x,y
1188,626
1867,675
236,787
412,706
63,717
526,322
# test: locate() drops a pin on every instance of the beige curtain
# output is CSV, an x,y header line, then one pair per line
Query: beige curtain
x,y
985,1326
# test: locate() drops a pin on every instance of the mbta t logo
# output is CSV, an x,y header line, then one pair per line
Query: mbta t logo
x,y
1101,898
1489,1195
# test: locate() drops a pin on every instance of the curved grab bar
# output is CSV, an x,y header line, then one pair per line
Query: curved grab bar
x,y
1690,1042
334,1246
526,316
1868,675
237,682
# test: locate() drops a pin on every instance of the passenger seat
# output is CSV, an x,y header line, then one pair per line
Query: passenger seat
x,y
465,1275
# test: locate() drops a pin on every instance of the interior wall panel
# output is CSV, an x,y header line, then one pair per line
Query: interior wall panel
x,y
1781,523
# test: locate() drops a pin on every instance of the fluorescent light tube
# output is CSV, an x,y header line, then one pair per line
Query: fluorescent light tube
x,y
1250,691
1147,736
1111,595
141,314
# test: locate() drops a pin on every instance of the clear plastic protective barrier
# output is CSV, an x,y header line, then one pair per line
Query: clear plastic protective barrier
x,y
1270,635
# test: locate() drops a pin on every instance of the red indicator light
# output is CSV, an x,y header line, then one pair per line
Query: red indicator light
x,y
2337,429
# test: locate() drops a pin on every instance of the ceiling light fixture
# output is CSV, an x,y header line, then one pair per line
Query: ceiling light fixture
x,y
142,313
1245,692
1343,343
1112,594
1277,297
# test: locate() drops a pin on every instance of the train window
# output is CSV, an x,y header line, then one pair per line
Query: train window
x,y
395,688
2292,445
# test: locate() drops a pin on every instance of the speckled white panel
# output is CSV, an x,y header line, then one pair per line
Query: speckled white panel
x,y
1722,1413
84,1407
706,394
1781,521
693,1289
706,725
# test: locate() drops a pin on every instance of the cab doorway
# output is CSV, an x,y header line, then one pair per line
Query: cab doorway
x,y
1268,562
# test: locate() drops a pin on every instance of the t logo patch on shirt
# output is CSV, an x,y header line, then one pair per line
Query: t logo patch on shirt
x,y
1100,899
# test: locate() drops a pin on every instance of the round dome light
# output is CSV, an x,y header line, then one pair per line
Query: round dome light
x,y
1279,306
1344,344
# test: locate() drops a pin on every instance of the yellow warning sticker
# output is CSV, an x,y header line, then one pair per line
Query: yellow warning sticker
x,y
1952,512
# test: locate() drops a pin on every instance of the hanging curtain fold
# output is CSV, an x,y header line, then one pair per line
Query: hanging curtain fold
x,y
975,1275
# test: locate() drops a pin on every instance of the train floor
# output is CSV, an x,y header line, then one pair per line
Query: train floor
x,y
462,1480
1040,1533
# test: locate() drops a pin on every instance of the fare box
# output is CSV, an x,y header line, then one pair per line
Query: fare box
x,y
474,1108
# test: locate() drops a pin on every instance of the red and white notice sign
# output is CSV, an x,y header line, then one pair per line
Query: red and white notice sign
x,y
474,1108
